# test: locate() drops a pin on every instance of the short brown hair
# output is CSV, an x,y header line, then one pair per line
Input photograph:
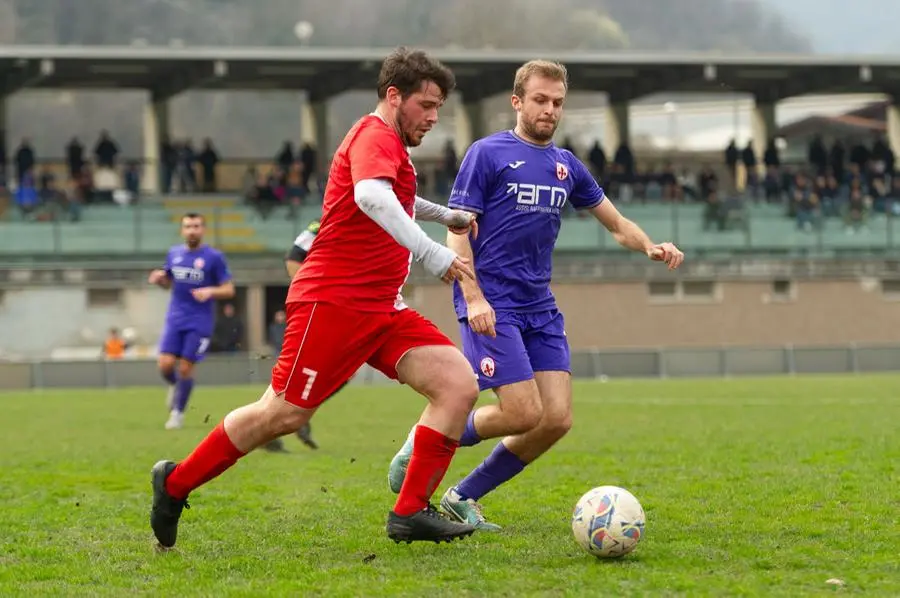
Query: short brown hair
x,y
192,216
407,70
541,68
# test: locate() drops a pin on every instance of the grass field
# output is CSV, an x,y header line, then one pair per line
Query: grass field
x,y
751,487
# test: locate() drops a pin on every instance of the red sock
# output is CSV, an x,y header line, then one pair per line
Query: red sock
x,y
211,457
431,456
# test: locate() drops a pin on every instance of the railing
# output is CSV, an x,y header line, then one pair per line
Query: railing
x,y
150,227
586,364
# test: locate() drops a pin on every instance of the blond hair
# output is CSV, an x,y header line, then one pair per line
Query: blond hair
x,y
541,68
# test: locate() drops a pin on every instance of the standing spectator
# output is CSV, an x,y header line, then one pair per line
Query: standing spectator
x,y
74,156
106,151
229,331
209,159
185,169
748,157
837,159
25,159
276,332
597,160
731,160
286,156
818,155
309,158
168,164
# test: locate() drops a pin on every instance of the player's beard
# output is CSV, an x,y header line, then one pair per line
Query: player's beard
x,y
193,242
530,128
404,126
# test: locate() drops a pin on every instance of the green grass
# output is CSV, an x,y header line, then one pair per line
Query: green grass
x,y
751,487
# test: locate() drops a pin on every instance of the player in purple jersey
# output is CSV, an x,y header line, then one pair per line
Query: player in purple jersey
x,y
518,183
198,276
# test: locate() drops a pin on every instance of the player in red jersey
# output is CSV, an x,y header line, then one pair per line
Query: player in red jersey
x,y
344,309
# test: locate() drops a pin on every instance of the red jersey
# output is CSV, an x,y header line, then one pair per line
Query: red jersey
x,y
353,262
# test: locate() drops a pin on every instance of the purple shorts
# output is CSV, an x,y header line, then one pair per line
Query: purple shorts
x,y
189,345
525,344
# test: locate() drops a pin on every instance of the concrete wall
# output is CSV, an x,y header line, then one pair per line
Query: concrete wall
x,y
624,315
35,321
605,315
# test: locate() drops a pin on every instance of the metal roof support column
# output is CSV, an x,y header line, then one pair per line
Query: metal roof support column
x,y
471,123
617,129
156,129
763,126
893,125
314,130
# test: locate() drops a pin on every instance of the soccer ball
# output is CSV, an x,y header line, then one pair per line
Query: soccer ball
x,y
608,522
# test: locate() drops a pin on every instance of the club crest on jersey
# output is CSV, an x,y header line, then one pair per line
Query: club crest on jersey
x,y
487,367
562,171
199,263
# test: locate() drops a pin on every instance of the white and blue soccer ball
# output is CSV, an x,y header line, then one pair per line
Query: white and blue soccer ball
x,y
608,522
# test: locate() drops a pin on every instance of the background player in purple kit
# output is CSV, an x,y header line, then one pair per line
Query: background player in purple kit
x,y
519,183
198,276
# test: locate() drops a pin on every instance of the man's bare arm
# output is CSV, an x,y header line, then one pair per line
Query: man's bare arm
x,y
479,311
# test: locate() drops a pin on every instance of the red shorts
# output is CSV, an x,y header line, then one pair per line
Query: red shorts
x,y
325,344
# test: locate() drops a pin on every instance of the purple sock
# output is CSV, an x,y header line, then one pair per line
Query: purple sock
x,y
470,437
500,466
183,393
170,377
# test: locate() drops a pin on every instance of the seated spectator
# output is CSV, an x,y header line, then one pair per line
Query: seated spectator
x,y
807,209
670,190
262,196
772,185
295,192
857,211
74,200
133,180
26,196
687,182
833,197
893,198
879,195
714,213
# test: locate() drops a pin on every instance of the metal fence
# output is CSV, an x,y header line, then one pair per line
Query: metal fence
x,y
639,363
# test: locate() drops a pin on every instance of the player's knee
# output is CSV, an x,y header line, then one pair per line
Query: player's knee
x,y
527,416
557,425
454,388
290,422
464,393
185,370
166,364
281,417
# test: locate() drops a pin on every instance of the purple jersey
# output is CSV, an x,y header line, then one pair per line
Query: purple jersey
x,y
190,269
519,191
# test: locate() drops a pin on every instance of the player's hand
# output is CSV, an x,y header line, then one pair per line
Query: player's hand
x,y
461,222
203,294
157,276
666,253
482,319
458,270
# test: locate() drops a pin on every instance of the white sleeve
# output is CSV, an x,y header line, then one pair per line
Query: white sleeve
x,y
431,212
377,200
304,240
